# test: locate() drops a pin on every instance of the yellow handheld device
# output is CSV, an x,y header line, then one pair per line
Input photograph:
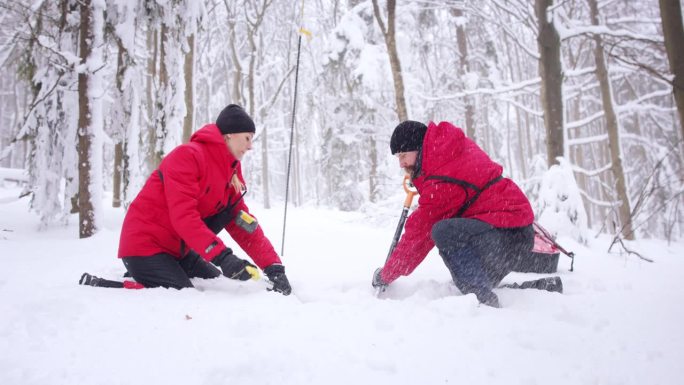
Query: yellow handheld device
x,y
246,221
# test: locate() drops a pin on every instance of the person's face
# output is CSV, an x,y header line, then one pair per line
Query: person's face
x,y
238,144
407,160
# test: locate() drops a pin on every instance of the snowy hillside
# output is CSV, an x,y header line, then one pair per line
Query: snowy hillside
x,y
619,321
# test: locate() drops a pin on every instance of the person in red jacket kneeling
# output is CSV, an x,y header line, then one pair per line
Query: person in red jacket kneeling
x,y
169,234
480,221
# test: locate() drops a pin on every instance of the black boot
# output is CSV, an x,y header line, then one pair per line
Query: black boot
x,y
488,298
552,284
91,280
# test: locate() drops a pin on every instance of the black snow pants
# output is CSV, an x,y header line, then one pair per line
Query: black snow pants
x,y
479,255
166,271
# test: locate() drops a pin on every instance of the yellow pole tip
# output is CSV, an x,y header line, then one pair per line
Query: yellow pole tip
x,y
305,32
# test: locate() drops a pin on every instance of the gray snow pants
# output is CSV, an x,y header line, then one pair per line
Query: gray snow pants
x,y
479,255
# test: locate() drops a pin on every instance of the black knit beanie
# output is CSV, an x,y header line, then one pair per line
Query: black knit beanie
x,y
407,136
234,119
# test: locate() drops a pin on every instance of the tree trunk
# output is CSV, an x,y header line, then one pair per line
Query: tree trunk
x,y
264,131
86,213
237,67
463,70
390,41
161,129
189,120
673,31
551,72
373,174
264,168
120,134
624,211
118,172
152,48
252,33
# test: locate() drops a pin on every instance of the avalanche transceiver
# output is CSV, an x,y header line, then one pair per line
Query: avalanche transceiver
x,y
246,221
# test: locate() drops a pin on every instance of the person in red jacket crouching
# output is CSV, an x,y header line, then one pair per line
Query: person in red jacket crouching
x,y
480,221
169,234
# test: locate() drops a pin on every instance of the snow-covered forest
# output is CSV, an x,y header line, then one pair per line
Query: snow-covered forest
x,y
581,101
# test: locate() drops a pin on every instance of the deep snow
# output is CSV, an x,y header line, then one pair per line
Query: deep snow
x,y
619,321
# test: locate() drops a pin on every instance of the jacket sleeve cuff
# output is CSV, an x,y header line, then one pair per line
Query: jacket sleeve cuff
x,y
210,252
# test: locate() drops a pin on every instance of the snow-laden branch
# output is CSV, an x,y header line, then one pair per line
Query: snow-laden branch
x,y
598,202
524,16
512,34
587,140
579,71
631,105
647,142
14,174
8,48
633,20
521,106
7,151
435,4
586,120
645,108
592,173
591,30
485,91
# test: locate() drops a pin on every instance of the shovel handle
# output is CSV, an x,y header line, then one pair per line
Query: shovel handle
x,y
410,190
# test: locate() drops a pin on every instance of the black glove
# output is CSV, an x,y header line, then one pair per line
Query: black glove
x,y
378,283
276,274
232,266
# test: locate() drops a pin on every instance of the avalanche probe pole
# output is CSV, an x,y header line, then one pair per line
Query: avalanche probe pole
x,y
410,193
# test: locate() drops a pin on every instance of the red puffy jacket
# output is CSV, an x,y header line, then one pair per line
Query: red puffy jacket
x,y
192,183
447,152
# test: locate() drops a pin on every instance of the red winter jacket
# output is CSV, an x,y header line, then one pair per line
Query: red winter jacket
x,y
448,152
194,184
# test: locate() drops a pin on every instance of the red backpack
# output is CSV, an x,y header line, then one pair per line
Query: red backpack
x,y
543,258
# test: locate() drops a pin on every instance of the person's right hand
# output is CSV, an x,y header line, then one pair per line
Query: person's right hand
x,y
377,282
234,267
276,274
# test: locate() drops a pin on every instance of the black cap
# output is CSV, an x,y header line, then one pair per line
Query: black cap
x,y
234,119
407,136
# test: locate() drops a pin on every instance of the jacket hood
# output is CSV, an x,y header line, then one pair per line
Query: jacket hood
x,y
443,142
208,134
211,137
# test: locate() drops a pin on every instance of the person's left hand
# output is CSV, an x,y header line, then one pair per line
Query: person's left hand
x,y
378,283
234,267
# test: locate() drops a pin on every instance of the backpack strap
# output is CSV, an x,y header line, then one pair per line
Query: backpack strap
x,y
216,222
543,233
466,186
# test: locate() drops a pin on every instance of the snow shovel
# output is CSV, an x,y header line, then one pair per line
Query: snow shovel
x,y
410,193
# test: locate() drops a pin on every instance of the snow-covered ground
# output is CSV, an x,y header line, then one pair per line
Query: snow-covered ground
x,y
619,321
